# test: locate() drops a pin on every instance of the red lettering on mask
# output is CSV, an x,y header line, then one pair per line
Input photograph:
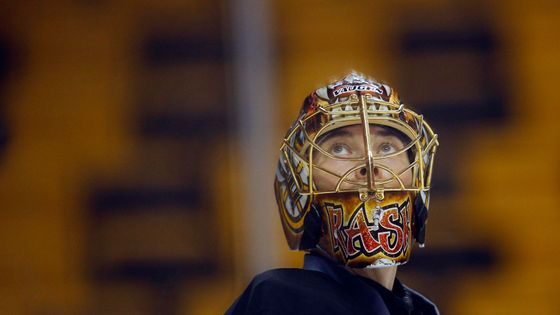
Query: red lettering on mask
x,y
358,231
335,218
361,236
393,230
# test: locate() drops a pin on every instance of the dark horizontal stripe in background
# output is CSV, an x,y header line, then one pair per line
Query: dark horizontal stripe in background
x,y
161,49
491,109
157,271
133,199
449,260
438,41
183,126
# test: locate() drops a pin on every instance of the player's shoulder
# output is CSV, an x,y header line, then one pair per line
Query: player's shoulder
x,y
295,286
291,277
291,291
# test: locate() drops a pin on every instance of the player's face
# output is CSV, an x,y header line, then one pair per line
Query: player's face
x,y
348,142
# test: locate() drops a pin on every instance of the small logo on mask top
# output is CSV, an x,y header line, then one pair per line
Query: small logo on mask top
x,y
351,88
361,235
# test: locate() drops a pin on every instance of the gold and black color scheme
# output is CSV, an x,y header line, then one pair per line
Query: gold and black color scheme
x,y
354,174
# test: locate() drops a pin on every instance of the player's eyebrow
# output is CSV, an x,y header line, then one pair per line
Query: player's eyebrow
x,y
386,133
381,131
340,132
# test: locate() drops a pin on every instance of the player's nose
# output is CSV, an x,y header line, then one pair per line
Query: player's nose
x,y
362,173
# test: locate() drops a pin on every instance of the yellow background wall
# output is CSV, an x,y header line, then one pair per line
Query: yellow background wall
x,y
69,107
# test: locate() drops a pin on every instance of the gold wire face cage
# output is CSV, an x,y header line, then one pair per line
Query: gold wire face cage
x,y
301,148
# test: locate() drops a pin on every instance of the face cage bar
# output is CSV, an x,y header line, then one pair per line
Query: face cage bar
x,y
384,113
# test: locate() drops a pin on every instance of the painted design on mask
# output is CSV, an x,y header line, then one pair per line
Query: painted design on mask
x,y
367,233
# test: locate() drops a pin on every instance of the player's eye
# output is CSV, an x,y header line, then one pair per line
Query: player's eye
x,y
387,148
340,150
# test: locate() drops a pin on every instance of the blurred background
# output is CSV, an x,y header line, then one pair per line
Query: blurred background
x,y
138,142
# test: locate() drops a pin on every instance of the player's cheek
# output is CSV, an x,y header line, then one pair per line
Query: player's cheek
x,y
322,179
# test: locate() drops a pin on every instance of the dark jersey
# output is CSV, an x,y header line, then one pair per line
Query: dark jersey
x,y
322,287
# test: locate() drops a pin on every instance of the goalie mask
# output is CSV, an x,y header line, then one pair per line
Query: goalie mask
x,y
354,175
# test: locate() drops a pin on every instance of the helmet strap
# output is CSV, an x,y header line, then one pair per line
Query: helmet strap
x,y
419,220
312,228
